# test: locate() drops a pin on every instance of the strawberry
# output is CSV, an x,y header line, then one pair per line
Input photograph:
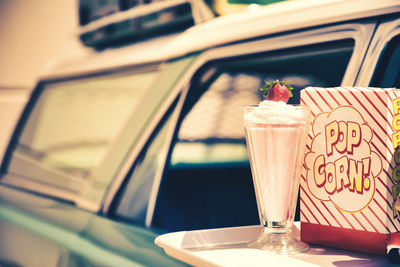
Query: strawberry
x,y
277,91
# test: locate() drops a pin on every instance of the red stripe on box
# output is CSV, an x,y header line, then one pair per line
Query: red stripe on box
x,y
312,112
384,144
396,93
389,176
315,205
378,150
387,215
383,224
374,214
361,89
380,193
344,216
378,110
383,102
304,216
304,178
350,103
323,98
337,221
372,225
311,200
333,97
356,240
383,210
374,119
387,93
355,218
312,99
381,154
345,98
387,202
303,203
385,185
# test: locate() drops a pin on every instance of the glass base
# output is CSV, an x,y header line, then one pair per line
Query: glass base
x,y
279,242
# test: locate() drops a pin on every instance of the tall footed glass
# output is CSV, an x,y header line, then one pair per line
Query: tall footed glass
x,y
276,135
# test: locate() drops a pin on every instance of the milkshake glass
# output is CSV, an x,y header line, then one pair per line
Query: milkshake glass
x,y
276,135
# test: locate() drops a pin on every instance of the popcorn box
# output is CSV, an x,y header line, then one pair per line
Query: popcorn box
x,y
351,171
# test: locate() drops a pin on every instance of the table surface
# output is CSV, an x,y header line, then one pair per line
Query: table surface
x,y
227,247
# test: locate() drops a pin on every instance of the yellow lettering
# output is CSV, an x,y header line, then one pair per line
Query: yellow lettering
x,y
342,142
353,136
396,105
330,185
319,174
355,176
341,168
332,134
396,122
396,139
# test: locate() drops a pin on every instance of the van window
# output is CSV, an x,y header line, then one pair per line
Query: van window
x,y
132,200
73,123
387,73
207,182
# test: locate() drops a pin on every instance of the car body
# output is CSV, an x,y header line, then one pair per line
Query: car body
x,y
123,144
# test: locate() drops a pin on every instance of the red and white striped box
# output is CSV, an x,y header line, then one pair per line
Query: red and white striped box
x,y
351,171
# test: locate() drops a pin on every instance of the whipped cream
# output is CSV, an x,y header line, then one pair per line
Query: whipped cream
x,y
273,112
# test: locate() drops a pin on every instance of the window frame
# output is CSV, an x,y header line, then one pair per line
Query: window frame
x,y
360,32
67,194
386,30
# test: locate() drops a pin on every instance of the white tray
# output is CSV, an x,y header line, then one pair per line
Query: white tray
x,y
210,248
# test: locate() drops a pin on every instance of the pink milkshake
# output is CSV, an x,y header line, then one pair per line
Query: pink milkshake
x,y
276,135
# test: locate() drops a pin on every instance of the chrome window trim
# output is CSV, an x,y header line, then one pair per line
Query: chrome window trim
x,y
356,31
25,183
385,32
117,181
158,175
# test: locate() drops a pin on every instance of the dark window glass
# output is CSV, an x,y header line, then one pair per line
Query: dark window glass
x,y
207,181
387,73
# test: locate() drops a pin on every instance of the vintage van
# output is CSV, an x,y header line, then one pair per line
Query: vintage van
x,y
139,139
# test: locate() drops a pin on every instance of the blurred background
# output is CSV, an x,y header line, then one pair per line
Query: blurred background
x,y
34,35
37,35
